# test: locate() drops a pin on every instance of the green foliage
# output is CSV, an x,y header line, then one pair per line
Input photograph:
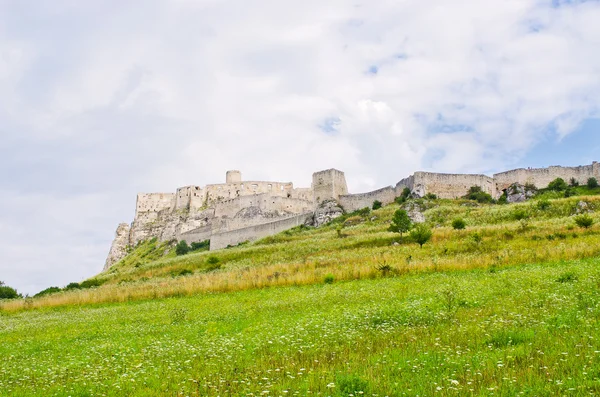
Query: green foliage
x,y
558,185
7,292
573,182
503,199
377,204
200,246
403,197
401,222
430,196
212,260
520,214
567,277
72,286
47,291
421,234
182,248
329,279
93,282
475,193
592,183
543,204
459,224
584,221
570,192
351,385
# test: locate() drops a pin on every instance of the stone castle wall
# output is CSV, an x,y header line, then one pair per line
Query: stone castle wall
x,y
328,184
245,210
234,237
541,177
353,202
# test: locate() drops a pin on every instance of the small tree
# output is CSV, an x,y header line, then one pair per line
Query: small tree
x,y
401,223
573,182
421,234
458,224
558,185
377,204
182,248
592,183
584,221
403,197
7,292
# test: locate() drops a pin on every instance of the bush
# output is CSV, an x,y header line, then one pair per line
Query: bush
x,y
71,286
212,260
47,291
182,248
567,278
403,197
7,292
584,221
475,193
570,193
430,196
329,279
503,199
200,246
558,185
377,205
543,205
592,183
90,283
401,223
459,224
573,182
421,234
520,214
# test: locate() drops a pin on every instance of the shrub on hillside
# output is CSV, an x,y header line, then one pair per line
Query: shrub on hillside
x,y
7,292
520,214
573,182
543,205
403,197
71,286
459,224
570,192
475,193
90,283
377,205
47,291
329,279
592,183
182,248
584,221
421,234
558,185
430,196
202,245
401,223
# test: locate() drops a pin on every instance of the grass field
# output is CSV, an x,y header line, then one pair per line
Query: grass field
x,y
508,306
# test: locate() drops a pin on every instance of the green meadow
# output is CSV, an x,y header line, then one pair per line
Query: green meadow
x,y
508,306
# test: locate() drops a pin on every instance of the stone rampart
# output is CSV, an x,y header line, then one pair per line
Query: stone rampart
x,y
154,202
220,192
328,184
450,185
234,237
353,202
541,177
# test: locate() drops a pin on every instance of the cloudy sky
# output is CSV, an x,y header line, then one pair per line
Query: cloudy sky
x,y
100,100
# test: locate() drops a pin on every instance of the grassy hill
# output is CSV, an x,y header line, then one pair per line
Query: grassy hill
x,y
510,305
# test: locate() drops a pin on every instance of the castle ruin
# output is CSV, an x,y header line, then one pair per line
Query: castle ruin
x,y
237,210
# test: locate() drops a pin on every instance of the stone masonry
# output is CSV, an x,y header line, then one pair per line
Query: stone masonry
x,y
247,210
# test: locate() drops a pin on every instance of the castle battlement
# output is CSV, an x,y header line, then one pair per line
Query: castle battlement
x,y
239,210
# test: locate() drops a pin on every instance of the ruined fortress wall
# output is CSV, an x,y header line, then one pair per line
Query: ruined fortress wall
x,y
154,202
303,193
405,183
353,202
266,202
234,237
450,185
196,235
216,193
328,184
541,177
189,197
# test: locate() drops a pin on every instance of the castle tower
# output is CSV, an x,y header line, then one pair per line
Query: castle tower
x,y
328,184
233,176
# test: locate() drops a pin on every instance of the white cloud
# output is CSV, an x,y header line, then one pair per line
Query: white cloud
x,y
103,101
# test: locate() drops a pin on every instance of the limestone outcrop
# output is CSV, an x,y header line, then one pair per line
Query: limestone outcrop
x,y
118,249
